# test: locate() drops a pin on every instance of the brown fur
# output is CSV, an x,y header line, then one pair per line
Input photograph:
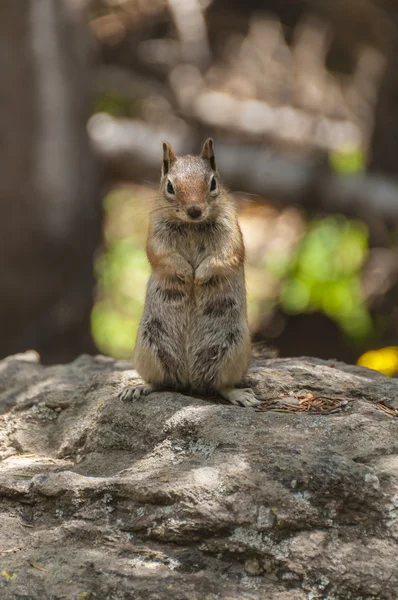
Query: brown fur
x,y
194,335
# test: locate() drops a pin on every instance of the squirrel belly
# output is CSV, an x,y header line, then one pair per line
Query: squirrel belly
x,y
194,335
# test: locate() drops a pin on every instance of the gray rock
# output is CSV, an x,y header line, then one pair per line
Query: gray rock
x,y
175,497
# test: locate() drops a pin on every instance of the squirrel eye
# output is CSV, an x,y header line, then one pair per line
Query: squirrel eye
x,y
170,188
213,184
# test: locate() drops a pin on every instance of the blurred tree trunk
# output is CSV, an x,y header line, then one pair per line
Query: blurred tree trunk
x,y
383,161
50,214
384,142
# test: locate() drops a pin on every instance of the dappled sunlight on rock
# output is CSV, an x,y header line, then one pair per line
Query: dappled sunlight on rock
x,y
180,491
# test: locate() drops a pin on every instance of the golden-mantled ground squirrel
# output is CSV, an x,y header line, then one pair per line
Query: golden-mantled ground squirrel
x,y
194,335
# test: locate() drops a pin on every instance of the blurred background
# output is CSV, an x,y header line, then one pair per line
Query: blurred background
x,y
301,98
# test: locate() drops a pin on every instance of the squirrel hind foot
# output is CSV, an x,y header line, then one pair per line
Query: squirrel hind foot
x,y
134,392
243,397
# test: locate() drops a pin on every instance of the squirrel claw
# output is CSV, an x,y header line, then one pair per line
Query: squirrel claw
x,y
134,392
202,280
182,278
244,397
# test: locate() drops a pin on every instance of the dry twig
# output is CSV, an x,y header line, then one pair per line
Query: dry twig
x,y
10,550
386,409
305,403
39,567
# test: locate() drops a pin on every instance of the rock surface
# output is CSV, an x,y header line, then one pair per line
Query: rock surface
x,y
181,498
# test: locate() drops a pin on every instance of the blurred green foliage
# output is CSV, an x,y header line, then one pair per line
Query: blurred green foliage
x,y
122,271
324,274
347,160
117,105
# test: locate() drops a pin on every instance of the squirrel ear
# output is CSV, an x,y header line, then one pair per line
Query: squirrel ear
x,y
168,157
208,153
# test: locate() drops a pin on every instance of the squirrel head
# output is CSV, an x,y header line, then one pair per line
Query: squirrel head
x,y
190,185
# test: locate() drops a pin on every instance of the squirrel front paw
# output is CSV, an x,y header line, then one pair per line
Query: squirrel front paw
x,y
203,273
184,273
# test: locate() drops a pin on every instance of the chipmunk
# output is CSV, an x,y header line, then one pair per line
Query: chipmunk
x,y
193,334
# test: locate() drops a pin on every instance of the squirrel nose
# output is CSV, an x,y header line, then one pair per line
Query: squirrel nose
x,y
194,212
